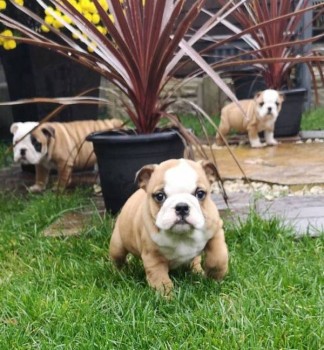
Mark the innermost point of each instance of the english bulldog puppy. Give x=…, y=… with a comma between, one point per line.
x=55, y=145
x=170, y=221
x=261, y=115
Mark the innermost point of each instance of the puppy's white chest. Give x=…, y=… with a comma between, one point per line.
x=181, y=248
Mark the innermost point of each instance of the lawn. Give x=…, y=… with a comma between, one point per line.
x=64, y=293
x=313, y=119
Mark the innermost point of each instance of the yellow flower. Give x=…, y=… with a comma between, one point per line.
x=85, y=5
x=7, y=33
x=95, y=18
x=67, y=19
x=49, y=11
x=88, y=16
x=92, y=47
x=3, y=5
x=44, y=28
x=9, y=44
x=49, y=19
x=112, y=18
x=102, y=30
x=103, y=4
x=77, y=35
x=92, y=8
x=19, y=2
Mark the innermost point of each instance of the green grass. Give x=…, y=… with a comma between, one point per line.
x=63, y=293
x=313, y=119
x=5, y=155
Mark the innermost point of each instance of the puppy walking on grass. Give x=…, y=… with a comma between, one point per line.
x=261, y=115
x=170, y=221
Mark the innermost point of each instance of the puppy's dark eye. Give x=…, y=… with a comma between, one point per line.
x=159, y=197
x=37, y=145
x=261, y=104
x=277, y=104
x=200, y=194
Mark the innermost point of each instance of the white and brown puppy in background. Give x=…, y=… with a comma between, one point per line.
x=54, y=145
x=261, y=115
x=170, y=221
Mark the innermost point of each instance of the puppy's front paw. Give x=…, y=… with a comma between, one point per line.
x=36, y=188
x=219, y=141
x=165, y=289
x=272, y=142
x=217, y=273
x=257, y=144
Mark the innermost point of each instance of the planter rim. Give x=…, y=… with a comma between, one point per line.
x=129, y=136
x=300, y=90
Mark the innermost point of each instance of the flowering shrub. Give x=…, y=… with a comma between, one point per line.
x=52, y=16
x=9, y=43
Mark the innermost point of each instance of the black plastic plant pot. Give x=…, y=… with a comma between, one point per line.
x=120, y=156
x=289, y=118
x=36, y=72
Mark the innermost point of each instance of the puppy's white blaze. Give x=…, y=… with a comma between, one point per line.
x=180, y=179
x=167, y=217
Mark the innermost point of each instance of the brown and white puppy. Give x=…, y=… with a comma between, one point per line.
x=61, y=146
x=261, y=115
x=170, y=221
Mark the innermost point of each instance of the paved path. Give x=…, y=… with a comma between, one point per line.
x=287, y=164
x=304, y=213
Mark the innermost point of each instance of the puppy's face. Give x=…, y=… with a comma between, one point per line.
x=30, y=149
x=268, y=103
x=178, y=193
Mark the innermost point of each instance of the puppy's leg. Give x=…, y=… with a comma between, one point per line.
x=270, y=140
x=42, y=175
x=216, y=263
x=117, y=251
x=157, y=273
x=254, y=137
x=223, y=130
x=196, y=265
x=64, y=175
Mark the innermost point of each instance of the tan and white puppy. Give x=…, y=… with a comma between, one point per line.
x=170, y=221
x=261, y=115
x=60, y=146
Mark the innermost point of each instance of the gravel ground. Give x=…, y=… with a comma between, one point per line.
x=268, y=191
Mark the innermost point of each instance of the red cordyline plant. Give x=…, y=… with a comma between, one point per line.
x=272, y=30
x=145, y=42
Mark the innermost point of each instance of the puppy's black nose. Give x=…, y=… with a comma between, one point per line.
x=269, y=109
x=23, y=152
x=182, y=209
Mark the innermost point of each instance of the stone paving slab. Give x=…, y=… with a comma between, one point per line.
x=286, y=164
x=304, y=213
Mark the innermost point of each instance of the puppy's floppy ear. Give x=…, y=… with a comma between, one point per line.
x=48, y=131
x=281, y=97
x=210, y=170
x=14, y=127
x=143, y=175
x=257, y=94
